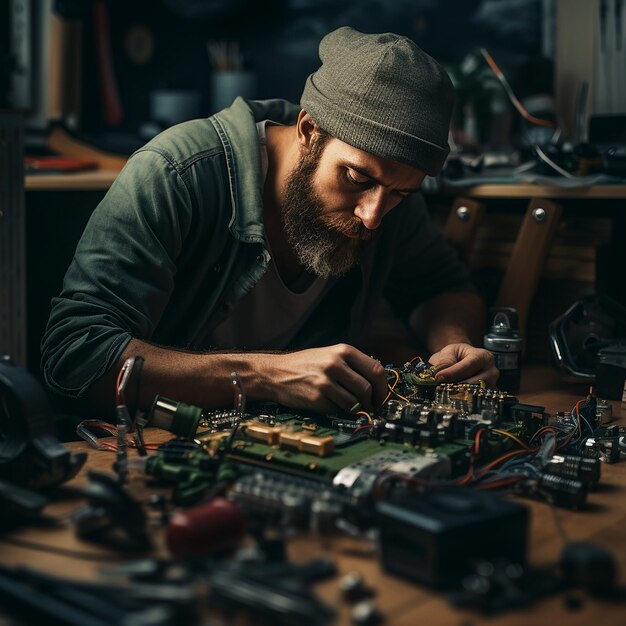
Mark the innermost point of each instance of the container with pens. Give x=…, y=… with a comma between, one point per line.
x=229, y=78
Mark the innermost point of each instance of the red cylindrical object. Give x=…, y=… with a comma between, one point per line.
x=211, y=528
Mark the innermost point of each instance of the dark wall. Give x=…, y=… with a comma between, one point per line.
x=163, y=43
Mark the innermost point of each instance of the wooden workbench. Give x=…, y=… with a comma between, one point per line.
x=401, y=602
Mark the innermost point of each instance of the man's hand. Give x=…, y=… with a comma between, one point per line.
x=327, y=379
x=463, y=362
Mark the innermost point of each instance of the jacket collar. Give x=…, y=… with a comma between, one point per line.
x=236, y=127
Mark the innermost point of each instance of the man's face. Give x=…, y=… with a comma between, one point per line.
x=335, y=199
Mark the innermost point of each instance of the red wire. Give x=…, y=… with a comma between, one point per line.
x=356, y=430
x=497, y=484
x=475, y=450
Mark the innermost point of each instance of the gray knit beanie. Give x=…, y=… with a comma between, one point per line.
x=382, y=94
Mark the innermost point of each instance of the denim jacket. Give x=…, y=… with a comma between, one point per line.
x=179, y=239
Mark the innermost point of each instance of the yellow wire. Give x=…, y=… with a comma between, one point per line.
x=399, y=396
x=391, y=388
x=369, y=417
x=511, y=436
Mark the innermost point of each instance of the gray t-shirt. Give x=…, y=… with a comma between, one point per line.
x=272, y=313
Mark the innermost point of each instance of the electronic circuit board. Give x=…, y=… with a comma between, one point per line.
x=424, y=433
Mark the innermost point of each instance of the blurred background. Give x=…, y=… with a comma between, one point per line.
x=115, y=70
x=541, y=98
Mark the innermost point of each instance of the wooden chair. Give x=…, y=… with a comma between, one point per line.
x=530, y=251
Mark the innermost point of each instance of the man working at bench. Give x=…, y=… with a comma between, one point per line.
x=261, y=239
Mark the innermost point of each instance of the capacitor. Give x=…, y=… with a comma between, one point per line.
x=561, y=491
x=177, y=417
x=215, y=527
x=583, y=468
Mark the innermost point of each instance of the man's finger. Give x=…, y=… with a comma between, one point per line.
x=468, y=366
x=373, y=372
x=340, y=397
x=490, y=376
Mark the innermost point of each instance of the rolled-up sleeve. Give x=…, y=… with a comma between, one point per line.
x=122, y=274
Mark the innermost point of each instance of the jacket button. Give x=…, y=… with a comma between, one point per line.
x=260, y=258
x=216, y=268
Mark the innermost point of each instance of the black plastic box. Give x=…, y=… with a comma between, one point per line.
x=435, y=537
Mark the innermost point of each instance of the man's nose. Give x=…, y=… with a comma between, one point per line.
x=371, y=208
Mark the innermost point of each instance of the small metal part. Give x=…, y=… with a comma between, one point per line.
x=121, y=459
x=291, y=439
x=586, y=469
x=325, y=512
x=264, y=433
x=604, y=411
x=177, y=417
x=539, y=215
x=353, y=587
x=320, y=446
x=463, y=213
x=239, y=395
x=366, y=614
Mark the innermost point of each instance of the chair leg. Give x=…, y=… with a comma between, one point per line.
x=462, y=225
x=528, y=257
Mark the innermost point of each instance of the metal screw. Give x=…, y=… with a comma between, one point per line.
x=463, y=213
x=540, y=215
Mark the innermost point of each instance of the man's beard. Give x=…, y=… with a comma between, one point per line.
x=327, y=243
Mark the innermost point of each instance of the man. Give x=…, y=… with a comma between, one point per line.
x=265, y=228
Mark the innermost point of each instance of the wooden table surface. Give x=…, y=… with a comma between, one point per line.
x=401, y=602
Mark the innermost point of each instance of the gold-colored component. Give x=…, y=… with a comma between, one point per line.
x=312, y=466
x=207, y=437
x=263, y=432
x=268, y=457
x=291, y=439
x=309, y=427
x=320, y=446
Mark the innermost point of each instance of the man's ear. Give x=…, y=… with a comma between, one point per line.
x=305, y=129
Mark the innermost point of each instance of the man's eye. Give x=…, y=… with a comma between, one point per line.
x=356, y=179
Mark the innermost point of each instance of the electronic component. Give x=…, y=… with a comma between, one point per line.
x=559, y=491
x=505, y=343
x=261, y=432
x=611, y=373
x=186, y=465
x=215, y=527
x=433, y=537
x=604, y=411
x=581, y=468
x=279, y=498
x=177, y=417
x=530, y=416
x=360, y=477
x=353, y=587
x=499, y=585
x=365, y=613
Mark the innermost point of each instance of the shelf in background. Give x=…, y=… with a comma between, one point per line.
x=528, y=190
x=80, y=181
